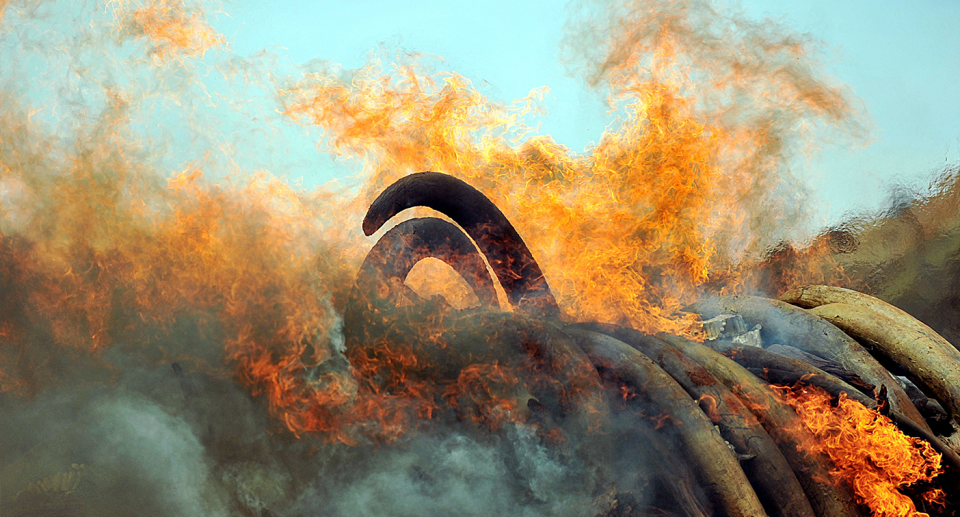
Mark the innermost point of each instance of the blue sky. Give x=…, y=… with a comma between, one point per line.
x=902, y=59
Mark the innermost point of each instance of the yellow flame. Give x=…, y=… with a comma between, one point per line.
x=174, y=29
x=868, y=450
x=690, y=175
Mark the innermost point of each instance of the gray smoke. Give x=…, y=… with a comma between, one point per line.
x=129, y=455
x=458, y=475
x=164, y=441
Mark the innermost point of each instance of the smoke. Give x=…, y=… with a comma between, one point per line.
x=160, y=443
x=455, y=474
x=134, y=457
x=171, y=312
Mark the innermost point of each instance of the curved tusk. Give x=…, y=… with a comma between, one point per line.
x=935, y=368
x=712, y=458
x=783, y=425
x=406, y=244
x=768, y=471
x=779, y=369
x=498, y=240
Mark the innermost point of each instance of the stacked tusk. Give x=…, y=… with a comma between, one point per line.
x=767, y=469
x=783, y=425
x=709, y=453
x=748, y=447
x=785, y=324
x=915, y=347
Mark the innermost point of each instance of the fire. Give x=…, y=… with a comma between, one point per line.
x=868, y=450
x=175, y=29
x=670, y=197
x=104, y=252
x=489, y=393
x=434, y=277
x=246, y=276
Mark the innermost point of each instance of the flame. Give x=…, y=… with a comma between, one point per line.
x=103, y=252
x=434, y=277
x=785, y=266
x=490, y=393
x=248, y=276
x=175, y=29
x=935, y=497
x=676, y=190
x=869, y=452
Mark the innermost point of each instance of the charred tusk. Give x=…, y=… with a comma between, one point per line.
x=555, y=371
x=372, y=309
x=529, y=344
x=709, y=453
x=778, y=369
x=508, y=255
x=950, y=456
x=783, y=323
x=787, y=371
x=539, y=345
x=767, y=469
x=828, y=366
x=783, y=425
x=406, y=244
x=936, y=368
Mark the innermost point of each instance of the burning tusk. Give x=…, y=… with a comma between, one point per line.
x=813, y=296
x=406, y=244
x=778, y=369
x=783, y=425
x=508, y=255
x=936, y=368
x=372, y=309
x=438, y=350
x=768, y=471
x=710, y=454
x=783, y=323
x=563, y=379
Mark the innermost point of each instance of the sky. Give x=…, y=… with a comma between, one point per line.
x=900, y=58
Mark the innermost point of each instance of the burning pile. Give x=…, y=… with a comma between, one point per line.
x=797, y=451
x=192, y=346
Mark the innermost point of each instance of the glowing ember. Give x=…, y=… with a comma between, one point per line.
x=868, y=450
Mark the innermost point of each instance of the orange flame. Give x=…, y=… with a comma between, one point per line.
x=487, y=393
x=100, y=253
x=868, y=450
x=432, y=276
x=676, y=190
x=175, y=30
